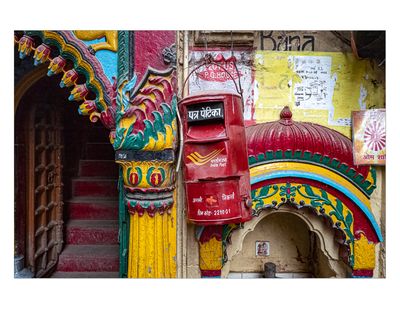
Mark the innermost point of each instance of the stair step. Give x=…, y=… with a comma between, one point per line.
x=99, y=151
x=98, y=168
x=94, y=187
x=86, y=274
x=89, y=258
x=95, y=232
x=92, y=208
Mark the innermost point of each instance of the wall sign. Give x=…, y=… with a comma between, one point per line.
x=139, y=155
x=262, y=248
x=369, y=137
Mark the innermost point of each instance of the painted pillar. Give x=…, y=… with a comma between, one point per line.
x=210, y=250
x=145, y=141
x=364, y=257
x=213, y=241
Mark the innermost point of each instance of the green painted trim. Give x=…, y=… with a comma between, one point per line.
x=123, y=63
x=333, y=164
x=317, y=202
x=34, y=33
x=123, y=75
x=123, y=236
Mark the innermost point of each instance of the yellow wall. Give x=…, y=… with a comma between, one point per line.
x=356, y=84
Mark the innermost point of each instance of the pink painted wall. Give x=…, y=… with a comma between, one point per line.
x=148, y=50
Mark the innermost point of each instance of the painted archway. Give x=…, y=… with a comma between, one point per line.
x=305, y=165
x=324, y=241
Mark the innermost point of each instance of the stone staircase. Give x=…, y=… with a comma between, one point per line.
x=91, y=232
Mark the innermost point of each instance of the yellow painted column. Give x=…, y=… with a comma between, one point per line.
x=152, y=245
x=211, y=255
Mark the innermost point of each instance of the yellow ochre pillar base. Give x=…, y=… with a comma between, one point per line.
x=152, y=245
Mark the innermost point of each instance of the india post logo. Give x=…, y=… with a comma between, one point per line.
x=198, y=159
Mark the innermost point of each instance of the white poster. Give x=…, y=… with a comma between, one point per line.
x=315, y=91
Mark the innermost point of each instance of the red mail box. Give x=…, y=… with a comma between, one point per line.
x=217, y=178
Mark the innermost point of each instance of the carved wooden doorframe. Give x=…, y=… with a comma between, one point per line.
x=44, y=188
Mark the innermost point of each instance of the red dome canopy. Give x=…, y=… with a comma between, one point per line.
x=286, y=134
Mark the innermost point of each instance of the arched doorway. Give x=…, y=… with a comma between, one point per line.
x=299, y=244
x=56, y=150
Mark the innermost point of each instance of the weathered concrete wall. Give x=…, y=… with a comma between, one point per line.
x=300, y=243
x=289, y=243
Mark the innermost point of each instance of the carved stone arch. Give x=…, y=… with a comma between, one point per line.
x=325, y=236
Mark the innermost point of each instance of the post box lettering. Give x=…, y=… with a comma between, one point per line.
x=205, y=111
x=217, y=179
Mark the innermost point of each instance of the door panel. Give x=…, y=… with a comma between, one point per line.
x=45, y=198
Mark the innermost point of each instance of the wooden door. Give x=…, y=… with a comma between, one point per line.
x=44, y=188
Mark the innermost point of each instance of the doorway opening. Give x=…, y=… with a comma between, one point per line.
x=66, y=205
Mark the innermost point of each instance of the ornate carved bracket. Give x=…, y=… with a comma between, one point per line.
x=65, y=54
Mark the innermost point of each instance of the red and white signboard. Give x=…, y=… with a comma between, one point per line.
x=369, y=137
x=216, y=77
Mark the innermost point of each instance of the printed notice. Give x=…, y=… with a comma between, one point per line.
x=315, y=90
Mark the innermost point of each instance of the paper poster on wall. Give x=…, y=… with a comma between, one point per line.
x=213, y=77
x=369, y=137
x=315, y=90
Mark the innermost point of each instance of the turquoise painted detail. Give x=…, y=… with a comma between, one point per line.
x=344, y=190
x=139, y=173
x=147, y=204
x=123, y=236
x=320, y=201
x=124, y=222
x=264, y=193
x=148, y=176
x=162, y=174
x=288, y=191
x=127, y=88
x=107, y=58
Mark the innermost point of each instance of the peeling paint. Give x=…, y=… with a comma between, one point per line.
x=362, y=97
